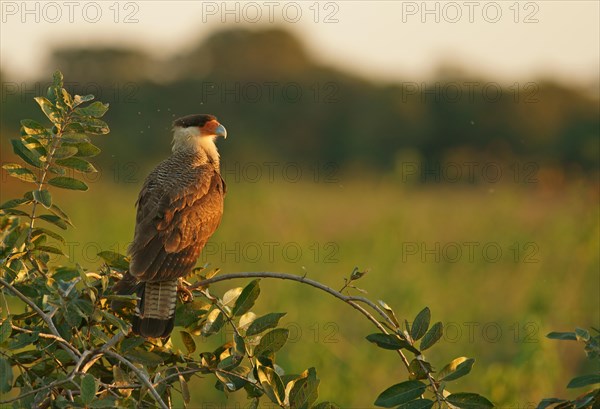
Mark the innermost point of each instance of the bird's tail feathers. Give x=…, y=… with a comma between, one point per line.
x=155, y=317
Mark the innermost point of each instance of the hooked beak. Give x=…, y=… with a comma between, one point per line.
x=221, y=131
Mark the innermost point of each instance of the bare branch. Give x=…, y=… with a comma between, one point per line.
x=351, y=300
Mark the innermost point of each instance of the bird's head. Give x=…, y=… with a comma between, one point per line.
x=197, y=131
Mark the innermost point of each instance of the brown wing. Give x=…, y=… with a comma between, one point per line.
x=174, y=222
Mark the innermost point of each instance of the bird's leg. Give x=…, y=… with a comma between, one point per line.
x=182, y=289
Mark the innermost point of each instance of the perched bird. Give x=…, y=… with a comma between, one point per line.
x=178, y=209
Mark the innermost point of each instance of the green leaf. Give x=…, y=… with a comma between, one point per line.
x=94, y=126
x=20, y=172
x=6, y=376
x=565, y=336
x=13, y=203
x=80, y=99
x=31, y=127
x=584, y=380
x=55, y=220
x=21, y=340
x=189, y=314
x=357, y=274
x=89, y=387
x=5, y=330
x=64, y=100
x=246, y=299
x=131, y=343
x=57, y=170
x=115, y=260
x=584, y=401
x=75, y=137
x=15, y=212
x=96, y=109
x=239, y=345
x=432, y=336
x=420, y=324
x=246, y=319
x=271, y=383
x=68, y=183
x=418, y=369
x=304, y=392
x=547, y=402
x=29, y=156
x=229, y=381
x=231, y=295
x=417, y=404
x=400, y=393
x=49, y=109
x=78, y=164
x=389, y=341
x=214, y=323
x=40, y=230
x=458, y=368
x=230, y=362
x=50, y=249
x=389, y=312
x=60, y=213
x=64, y=152
x=86, y=150
x=57, y=79
x=52, y=93
x=72, y=317
x=185, y=390
x=265, y=322
x=188, y=341
x=65, y=274
x=43, y=197
x=272, y=342
x=469, y=401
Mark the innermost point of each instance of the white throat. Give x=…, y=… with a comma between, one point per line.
x=191, y=139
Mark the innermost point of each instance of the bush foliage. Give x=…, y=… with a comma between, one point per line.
x=64, y=347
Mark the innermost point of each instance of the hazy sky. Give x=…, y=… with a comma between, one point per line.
x=384, y=40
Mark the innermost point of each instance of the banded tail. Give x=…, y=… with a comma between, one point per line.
x=155, y=312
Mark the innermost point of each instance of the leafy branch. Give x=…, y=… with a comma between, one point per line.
x=396, y=339
x=591, y=346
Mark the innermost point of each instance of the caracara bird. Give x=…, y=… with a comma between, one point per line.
x=178, y=209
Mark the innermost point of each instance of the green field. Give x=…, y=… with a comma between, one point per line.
x=431, y=245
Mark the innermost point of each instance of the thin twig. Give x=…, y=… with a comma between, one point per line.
x=39, y=334
x=141, y=376
x=301, y=279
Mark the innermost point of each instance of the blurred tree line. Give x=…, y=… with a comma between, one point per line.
x=279, y=104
